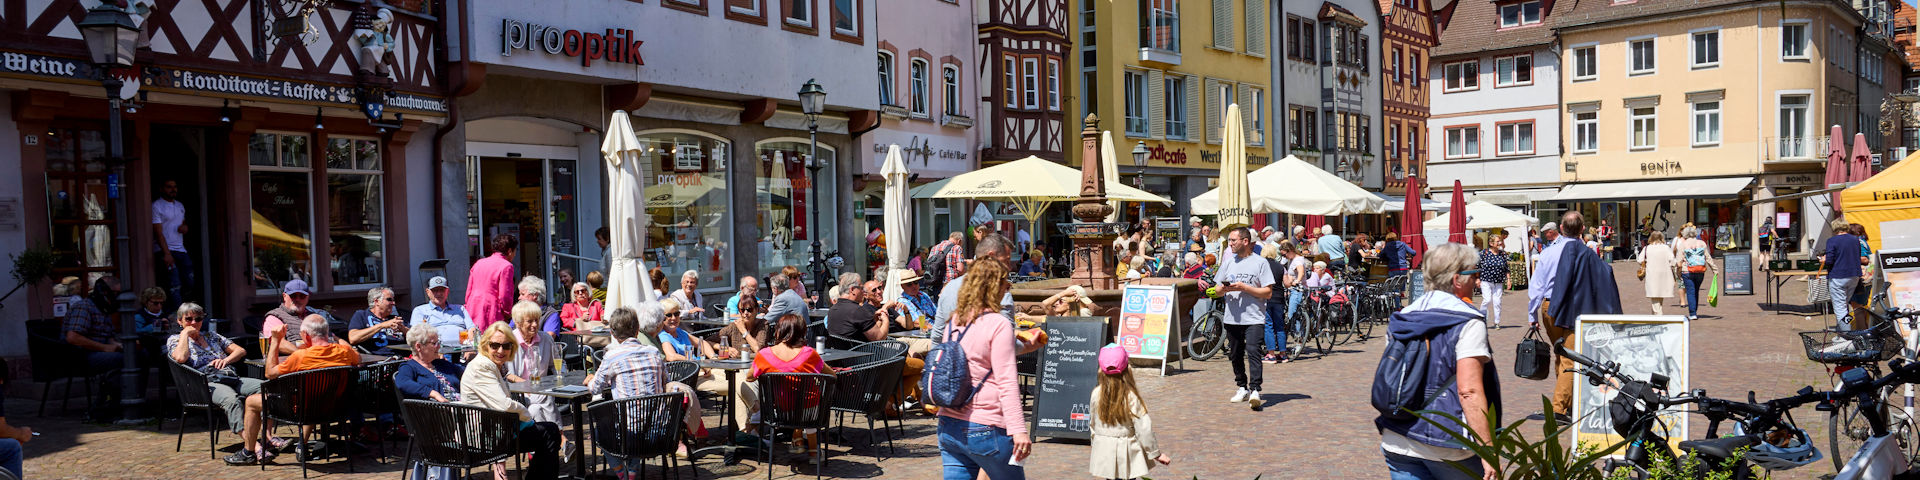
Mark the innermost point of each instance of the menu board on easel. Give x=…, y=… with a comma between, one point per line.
x=1068, y=366
x=1739, y=279
x=1146, y=313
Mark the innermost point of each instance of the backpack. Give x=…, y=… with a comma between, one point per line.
x=1399, y=383
x=937, y=264
x=945, y=380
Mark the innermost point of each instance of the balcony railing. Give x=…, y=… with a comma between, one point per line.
x=1796, y=149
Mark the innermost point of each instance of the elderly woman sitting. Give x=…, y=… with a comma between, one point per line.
x=428, y=376
x=633, y=368
x=485, y=384
x=212, y=354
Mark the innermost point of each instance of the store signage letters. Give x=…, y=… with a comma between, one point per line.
x=1214, y=157
x=616, y=45
x=1174, y=156
x=1793, y=179
x=45, y=66
x=1669, y=167
x=1890, y=195
x=169, y=78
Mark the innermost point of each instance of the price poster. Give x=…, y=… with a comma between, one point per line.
x=1146, y=316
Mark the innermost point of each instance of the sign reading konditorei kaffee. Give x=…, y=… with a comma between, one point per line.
x=161, y=78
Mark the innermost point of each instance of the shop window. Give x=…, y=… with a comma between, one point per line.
x=280, y=177
x=78, y=211
x=355, y=212
x=950, y=79
x=886, y=78
x=687, y=204
x=917, y=87
x=785, y=204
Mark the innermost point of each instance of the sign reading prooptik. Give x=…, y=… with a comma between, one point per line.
x=615, y=45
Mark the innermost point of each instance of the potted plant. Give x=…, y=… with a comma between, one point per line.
x=29, y=268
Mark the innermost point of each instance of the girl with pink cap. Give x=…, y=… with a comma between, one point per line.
x=1123, y=443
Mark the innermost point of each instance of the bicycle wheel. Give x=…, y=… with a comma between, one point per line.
x=1299, y=333
x=1903, y=428
x=1322, y=329
x=1363, y=316
x=1343, y=325
x=1847, y=430
x=1203, y=340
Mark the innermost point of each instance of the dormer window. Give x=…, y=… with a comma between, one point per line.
x=1520, y=14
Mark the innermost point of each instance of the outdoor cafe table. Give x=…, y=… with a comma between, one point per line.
x=733, y=367
x=365, y=359
x=1779, y=278
x=578, y=399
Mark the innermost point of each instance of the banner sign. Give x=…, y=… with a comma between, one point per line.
x=36, y=66
x=1146, y=312
x=1641, y=345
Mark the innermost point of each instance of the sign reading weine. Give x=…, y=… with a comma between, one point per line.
x=616, y=45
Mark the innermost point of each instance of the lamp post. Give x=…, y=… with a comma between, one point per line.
x=812, y=100
x=1140, y=173
x=111, y=35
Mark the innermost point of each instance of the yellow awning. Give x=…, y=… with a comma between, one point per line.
x=1893, y=194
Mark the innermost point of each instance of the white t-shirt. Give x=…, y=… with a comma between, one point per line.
x=169, y=214
x=689, y=299
x=1298, y=268
x=1472, y=342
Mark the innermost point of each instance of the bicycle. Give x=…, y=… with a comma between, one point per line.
x=1207, y=334
x=1847, y=425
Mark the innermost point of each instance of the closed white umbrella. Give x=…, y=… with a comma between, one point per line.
x=627, y=282
x=1235, y=208
x=896, y=218
x=1291, y=185
x=1112, y=166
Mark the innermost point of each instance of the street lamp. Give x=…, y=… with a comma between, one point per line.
x=1140, y=173
x=111, y=37
x=812, y=100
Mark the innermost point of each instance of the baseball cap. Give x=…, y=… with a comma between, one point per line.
x=436, y=282
x=295, y=286
x=1113, y=359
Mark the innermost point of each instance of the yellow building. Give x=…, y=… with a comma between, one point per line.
x=1687, y=112
x=1161, y=73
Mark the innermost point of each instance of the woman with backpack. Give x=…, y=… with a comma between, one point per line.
x=1695, y=261
x=1441, y=330
x=985, y=428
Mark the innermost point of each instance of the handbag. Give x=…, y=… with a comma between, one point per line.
x=1642, y=274
x=1532, y=357
x=1817, y=291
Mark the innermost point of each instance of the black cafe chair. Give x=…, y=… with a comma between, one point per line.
x=309, y=398
x=196, y=393
x=461, y=436
x=636, y=429
x=866, y=390
x=682, y=371
x=54, y=359
x=795, y=401
x=837, y=342
x=374, y=394
x=881, y=350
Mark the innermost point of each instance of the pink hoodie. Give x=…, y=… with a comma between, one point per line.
x=490, y=290
x=997, y=402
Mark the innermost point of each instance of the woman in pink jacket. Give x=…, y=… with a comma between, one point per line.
x=990, y=433
x=490, y=283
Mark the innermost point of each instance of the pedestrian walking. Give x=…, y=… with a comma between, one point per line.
x=1570, y=280
x=1493, y=277
x=1276, y=334
x=1397, y=255
x=490, y=283
x=1123, y=442
x=1245, y=282
x=1656, y=261
x=1842, y=261
x=1697, y=261
x=1421, y=447
x=990, y=432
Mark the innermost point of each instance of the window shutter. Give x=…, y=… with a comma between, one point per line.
x=1194, y=125
x=1214, y=111
x=1223, y=24
x=1244, y=93
x=1156, y=104
x=1257, y=27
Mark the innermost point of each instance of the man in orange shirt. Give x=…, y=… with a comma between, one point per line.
x=322, y=350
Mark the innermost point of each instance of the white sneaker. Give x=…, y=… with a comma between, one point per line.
x=1239, y=396
x=1254, y=401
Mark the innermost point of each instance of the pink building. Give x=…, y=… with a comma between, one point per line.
x=928, y=105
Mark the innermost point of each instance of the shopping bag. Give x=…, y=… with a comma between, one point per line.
x=1713, y=291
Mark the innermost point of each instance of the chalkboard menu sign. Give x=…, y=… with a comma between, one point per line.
x=1067, y=368
x=1739, y=274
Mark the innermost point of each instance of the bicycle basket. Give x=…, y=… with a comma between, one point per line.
x=1854, y=347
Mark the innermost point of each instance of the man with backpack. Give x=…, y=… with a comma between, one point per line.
x=945, y=262
x=1437, y=359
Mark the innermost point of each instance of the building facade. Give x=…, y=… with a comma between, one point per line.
x=1495, y=91
x=1329, y=84
x=712, y=90
x=929, y=98
x=1701, y=112
x=294, y=149
x=1408, y=35
x=1023, y=57
x=1161, y=75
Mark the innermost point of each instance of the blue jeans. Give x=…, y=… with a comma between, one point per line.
x=10, y=455
x=1402, y=467
x=1693, y=281
x=966, y=448
x=1276, y=326
x=179, y=280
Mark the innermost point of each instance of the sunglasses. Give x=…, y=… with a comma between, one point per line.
x=187, y=319
x=673, y=315
x=500, y=345
x=1470, y=271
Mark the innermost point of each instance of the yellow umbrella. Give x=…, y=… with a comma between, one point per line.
x=265, y=232
x=1031, y=184
x=1235, y=208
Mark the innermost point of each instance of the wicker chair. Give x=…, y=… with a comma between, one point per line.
x=461, y=436
x=881, y=350
x=309, y=397
x=195, y=394
x=682, y=371
x=867, y=389
x=798, y=401
x=638, y=428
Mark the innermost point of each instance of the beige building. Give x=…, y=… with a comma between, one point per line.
x=1689, y=112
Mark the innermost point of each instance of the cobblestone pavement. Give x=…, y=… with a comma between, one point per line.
x=1317, y=423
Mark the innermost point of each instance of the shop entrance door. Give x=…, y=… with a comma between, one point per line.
x=178, y=154
x=534, y=200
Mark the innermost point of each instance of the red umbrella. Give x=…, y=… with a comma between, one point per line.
x=1836, y=163
x=1313, y=223
x=1862, y=165
x=1457, y=216
x=1410, y=219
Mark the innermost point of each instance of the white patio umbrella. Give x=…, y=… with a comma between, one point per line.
x=1030, y=184
x=896, y=218
x=1291, y=185
x=627, y=284
x=1112, y=167
x=1235, y=207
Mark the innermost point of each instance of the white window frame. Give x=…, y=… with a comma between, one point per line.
x=1259, y=136
x=1462, y=141
x=1634, y=119
x=1011, y=78
x=1517, y=71
x=1030, y=83
x=1653, y=54
x=1806, y=134
x=886, y=78
x=1592, y=53
x=1693, y=47
x=1134, y=103
x=1713, y=118
x=1458, y=71
x=786, y=14
x=917, y=101
x=753, y=10
x=1805, y=43
x=1176, y=106
x=1586, y=132
x=1053, y=84
x=1520, y=19
x=1500, y=138
x=950, y=88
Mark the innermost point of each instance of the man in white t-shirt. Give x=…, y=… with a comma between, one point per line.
x=1422, y=449
x=172, y=264
x=691, y=302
